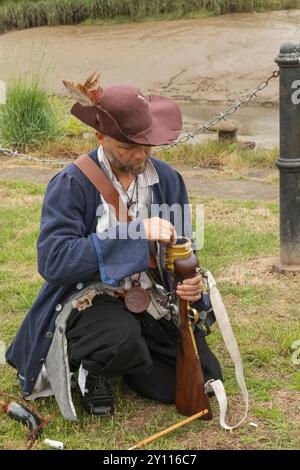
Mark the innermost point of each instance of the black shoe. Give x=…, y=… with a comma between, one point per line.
x=98, y=399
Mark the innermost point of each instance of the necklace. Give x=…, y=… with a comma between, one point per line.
x=134, y=192
x=132, y=206
x=136, y=297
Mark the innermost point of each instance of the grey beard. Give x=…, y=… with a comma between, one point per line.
x=130, y=169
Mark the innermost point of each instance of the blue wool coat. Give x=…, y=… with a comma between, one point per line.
x=69, y=252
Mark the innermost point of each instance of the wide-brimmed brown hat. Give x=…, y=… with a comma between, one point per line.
x=125, y=114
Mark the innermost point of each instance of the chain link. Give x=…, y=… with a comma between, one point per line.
x=221, y=116
x=21, y=156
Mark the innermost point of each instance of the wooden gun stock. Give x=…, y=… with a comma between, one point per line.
x=190, y=395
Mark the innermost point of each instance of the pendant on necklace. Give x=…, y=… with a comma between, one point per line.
x=132, y=209
x=132, y=206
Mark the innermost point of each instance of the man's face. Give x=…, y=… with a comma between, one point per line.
x=128, y=158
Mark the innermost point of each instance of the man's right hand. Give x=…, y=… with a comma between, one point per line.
x=158, y=229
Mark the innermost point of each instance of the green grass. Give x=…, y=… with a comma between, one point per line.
x=215, y=154
x=264, y=309
x=29, y=116
x=207, y=155
x=26, y=14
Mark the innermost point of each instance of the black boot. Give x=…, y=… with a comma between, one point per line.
x=98, y=399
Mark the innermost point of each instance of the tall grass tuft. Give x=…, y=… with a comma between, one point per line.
x=20, y=14
x=29, y=116
x=215, y=154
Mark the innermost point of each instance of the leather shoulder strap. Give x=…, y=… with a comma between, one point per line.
x=104, y=185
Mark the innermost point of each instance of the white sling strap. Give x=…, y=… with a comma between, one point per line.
x=232, y=347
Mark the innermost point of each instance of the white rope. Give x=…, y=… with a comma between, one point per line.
x=233, y=349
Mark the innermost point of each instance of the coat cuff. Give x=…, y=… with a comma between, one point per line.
x=122, y=251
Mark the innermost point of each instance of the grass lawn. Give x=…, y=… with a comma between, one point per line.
x=241, y=241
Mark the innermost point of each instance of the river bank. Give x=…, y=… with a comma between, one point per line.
x=205, y=64
x=204, y=60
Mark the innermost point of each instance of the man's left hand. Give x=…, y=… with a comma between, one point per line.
x=190, y=289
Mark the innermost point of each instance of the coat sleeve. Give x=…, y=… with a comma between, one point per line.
x=67, y=253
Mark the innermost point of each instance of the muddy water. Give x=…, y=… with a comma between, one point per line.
x=256, y=123
x=209, y=60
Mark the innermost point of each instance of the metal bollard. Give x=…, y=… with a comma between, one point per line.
x=289, y=160
x=227, y=131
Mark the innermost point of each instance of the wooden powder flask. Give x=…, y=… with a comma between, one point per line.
x=190, y=396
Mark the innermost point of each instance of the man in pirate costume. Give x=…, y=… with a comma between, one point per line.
x=97, y=314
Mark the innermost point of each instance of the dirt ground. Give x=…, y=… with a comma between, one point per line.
x=213, y=59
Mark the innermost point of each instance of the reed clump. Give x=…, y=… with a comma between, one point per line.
x=30, y=116
x=20, y=14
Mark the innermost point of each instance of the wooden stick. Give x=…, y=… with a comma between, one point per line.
x=171, y=428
